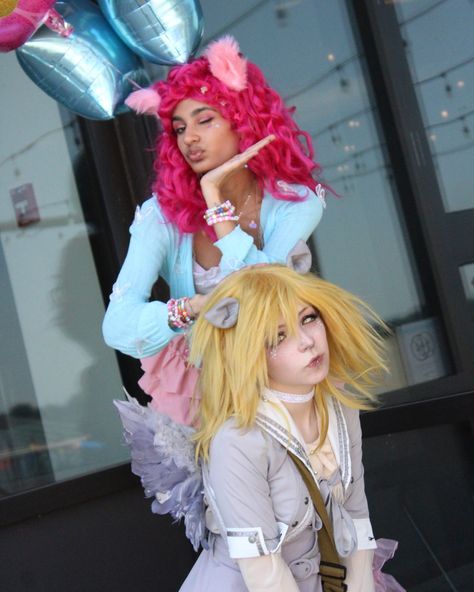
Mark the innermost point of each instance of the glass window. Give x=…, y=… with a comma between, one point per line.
x=57, y=378
x=439, y=46
x=309, y=52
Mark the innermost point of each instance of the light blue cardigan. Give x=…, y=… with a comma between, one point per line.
x=139, y=328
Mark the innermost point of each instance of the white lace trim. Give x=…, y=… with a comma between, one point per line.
x=119, y=291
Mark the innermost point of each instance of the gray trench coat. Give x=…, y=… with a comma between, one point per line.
x=258, y=503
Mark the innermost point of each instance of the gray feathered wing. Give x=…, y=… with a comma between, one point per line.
x=163, y=457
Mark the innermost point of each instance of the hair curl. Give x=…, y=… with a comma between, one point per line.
x=254, y=113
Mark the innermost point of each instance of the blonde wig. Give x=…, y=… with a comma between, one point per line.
x=234, y=364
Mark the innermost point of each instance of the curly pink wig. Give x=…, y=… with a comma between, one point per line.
x=254, y=112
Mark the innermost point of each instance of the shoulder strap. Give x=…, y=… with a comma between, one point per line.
x=332, y=572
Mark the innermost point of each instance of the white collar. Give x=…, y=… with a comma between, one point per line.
x=291, y=397
x=275, y=419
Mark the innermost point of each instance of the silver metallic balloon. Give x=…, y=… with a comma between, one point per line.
x=160, y=31
x=90, y=72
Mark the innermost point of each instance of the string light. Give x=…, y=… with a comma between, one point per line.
x=455, y=150
x=335, y=136
x=354, y=156
x=444, y=72
x=234, y=23
x=447, y=86
x=281, y=10
x=361, y=173
x=342, y=166
x=352, y=123
x=336, y=69
x=450, y=122
x=32, y=144
x=344, y=82
x=421, y=13
x=465, y=128
x=338, y=122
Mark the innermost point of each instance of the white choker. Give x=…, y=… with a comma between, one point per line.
x=291, y=397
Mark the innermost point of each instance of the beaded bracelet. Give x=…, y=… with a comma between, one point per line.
x=220, y=213
x=224, y=218
x=178, y=316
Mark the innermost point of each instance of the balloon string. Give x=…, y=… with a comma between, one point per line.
x=126, y=76
x=133, y=83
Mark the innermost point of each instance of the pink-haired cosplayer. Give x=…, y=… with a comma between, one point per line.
x=235, y=186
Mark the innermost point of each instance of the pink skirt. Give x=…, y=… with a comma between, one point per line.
x=384, y=582
x=171, y=382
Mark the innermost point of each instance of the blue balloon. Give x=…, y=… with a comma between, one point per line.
x=91, y=71
x=160, y=31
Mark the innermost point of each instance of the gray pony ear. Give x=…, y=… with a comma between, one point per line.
x=224, y=314
x=299, y=258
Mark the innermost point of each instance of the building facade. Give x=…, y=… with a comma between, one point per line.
x=386, y=90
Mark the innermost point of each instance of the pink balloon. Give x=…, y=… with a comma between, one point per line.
x=28, y=15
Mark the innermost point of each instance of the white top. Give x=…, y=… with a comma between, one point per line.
x=205, y=280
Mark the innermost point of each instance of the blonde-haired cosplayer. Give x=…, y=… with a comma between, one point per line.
x=287, y=361
x=234, y=373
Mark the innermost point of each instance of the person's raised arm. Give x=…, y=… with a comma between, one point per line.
x=213, y=181
x=290, y=222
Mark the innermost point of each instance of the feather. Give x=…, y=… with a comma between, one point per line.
x=226, y=63
x=163, y=457
x=144, y=101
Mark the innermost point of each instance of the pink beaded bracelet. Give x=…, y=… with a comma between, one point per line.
x=220, y=213
x=178, y=316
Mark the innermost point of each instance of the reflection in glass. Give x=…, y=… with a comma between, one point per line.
x=440, y=50
x=57, y=378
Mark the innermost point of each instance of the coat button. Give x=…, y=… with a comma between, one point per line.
x=306, y=500
x=252, y=539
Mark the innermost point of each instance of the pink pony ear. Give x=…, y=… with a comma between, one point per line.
x=226, y=63
x=144, y=101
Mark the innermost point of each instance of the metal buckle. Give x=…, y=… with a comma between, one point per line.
x=332, y=577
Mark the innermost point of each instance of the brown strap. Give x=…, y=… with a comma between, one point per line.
x=332, y=572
